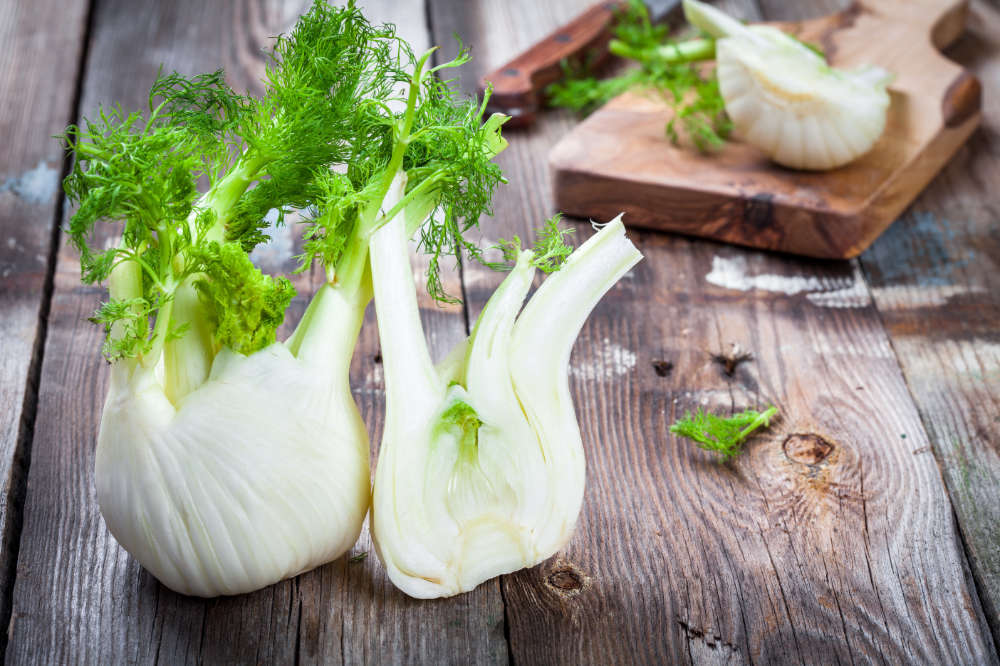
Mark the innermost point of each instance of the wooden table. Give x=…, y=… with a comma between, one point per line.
x=863, y=527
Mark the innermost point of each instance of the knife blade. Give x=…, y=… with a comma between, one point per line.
x=518, y=84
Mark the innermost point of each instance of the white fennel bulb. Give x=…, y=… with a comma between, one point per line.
x=256, y=475
x=785, y=99
x=481, y=467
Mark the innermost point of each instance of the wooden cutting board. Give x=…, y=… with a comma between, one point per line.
x=619, y=158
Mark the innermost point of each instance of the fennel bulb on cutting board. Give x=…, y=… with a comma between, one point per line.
x=785, y=99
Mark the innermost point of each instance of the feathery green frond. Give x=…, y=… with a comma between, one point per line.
x=548, y=254
x=666, y=69
x=723, y=435
x=246, y=306
x=346, y=104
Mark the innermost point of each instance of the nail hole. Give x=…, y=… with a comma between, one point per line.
x=377, y=358
x=731, y=360
x=662, y=368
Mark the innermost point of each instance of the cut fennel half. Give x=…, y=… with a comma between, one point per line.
x=481, y=467
x=785, y=99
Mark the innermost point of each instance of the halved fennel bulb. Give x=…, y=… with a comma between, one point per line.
x=481, y=468
x=785, y=99
x=256, y=475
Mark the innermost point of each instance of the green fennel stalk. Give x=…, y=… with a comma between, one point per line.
x=669, y=70
x=331, y=99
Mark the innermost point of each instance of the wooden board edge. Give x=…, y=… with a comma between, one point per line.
x=775, y=226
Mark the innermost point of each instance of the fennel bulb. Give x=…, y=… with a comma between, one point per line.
x=481, y=468
x=227, y=460
x=256, y=475
x=785, y=99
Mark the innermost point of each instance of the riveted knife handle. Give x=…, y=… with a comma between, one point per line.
x=518, y=85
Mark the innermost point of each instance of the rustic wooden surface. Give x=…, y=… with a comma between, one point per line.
x=832, y=539
x=935, y=279
x=621, y=159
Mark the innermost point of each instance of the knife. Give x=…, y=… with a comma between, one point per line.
x=518, y=85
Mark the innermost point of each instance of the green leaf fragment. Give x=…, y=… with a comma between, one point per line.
x=549, y=252
x=550, y=249
x=665, y=69
x=132, y=316
x=723, y=435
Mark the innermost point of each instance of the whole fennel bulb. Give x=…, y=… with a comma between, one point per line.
x=785, y=99
x=258, y=474
x=481, y=468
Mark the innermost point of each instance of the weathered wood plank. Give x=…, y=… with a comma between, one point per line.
x=38, y=75
x=935, y=279
x=79, y=596
x=841, y=548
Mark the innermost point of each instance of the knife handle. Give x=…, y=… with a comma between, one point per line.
x=517, y=85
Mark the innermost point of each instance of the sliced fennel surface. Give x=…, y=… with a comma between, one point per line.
x=228, y=460
x=785, y=99
x=481, y=467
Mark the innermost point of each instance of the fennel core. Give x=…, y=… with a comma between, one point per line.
x=492, y=428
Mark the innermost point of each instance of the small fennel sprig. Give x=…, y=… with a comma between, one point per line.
x=720, y=434
x=667, y=69
x=550, y=249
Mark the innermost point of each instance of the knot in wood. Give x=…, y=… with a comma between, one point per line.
x=566, y=579
x=807, y=449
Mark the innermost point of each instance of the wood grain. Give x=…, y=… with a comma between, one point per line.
x=620, y=158
x=934, y=279
x=38, y=71
x=828, y=541
x=79, y=597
